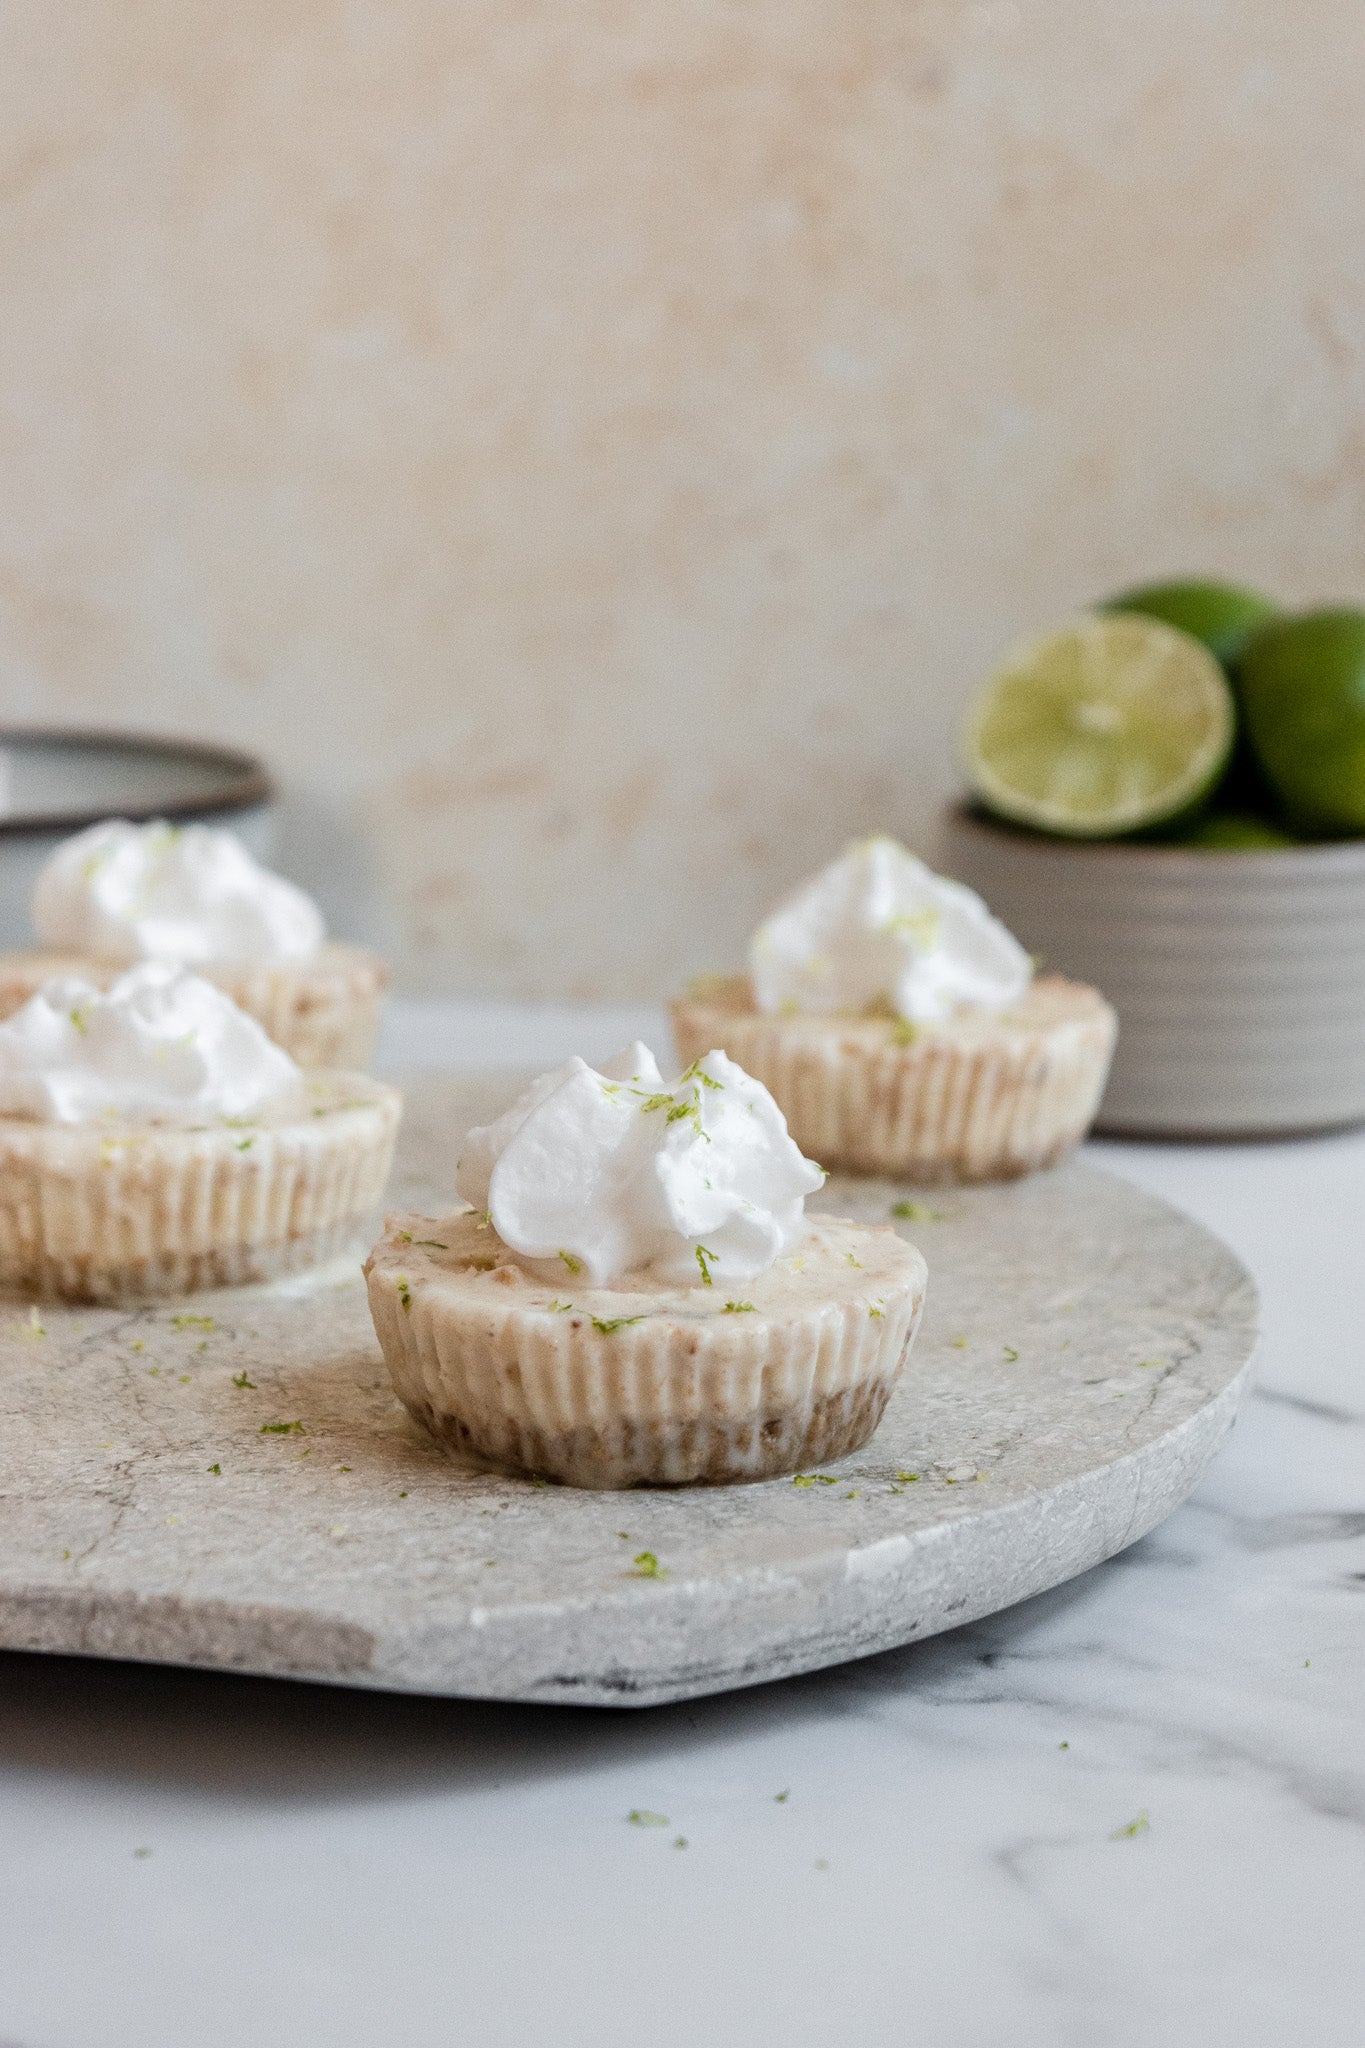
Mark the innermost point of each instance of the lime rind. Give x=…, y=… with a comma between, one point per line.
x=1301, y=683
x=1222, y=831
x=1223, y=615
x=1115, y=723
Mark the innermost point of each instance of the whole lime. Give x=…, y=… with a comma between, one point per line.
x=1223, y=615
x=1302, y=686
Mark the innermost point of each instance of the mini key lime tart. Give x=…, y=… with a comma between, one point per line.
x=154, y=1140
x=902, y=1030
x=119, y=893
x=636, y=1295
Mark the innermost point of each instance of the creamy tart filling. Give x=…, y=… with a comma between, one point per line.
x=901, y=1029
x=154, y=1140
x=638, y=1384
x=973, y=1099
x=636, y=1295
x=194, y=896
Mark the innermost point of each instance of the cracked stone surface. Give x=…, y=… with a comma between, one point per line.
x=229, y=1482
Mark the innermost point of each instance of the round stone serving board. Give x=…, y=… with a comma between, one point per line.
x=228, y=1481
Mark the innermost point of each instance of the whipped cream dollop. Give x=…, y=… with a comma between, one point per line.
x=878, y=930
x=160, y=1046
x=600, y=1173
x=163, y=892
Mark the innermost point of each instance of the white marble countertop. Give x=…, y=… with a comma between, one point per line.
x=1128, y=1813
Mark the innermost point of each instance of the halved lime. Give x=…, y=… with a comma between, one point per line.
x=1223, y=615
x=1111, y=725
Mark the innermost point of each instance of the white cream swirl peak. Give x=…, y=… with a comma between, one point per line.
x=878, y=930
x=902, y=1030
x=636, y=1295
x=190, y=893
x=621, y=1170
x=160, y=1045
x=194, y=895
x=154, y=1140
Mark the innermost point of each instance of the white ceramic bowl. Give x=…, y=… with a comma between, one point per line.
x=1239, y=978
x=55, y=783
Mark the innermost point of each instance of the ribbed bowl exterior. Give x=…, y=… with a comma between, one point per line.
x=667, y=1401
x=1238, y=978
x=92, y=1215
x=938, y=1111
x=325, y=1012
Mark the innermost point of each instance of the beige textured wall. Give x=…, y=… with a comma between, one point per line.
x=592, y=445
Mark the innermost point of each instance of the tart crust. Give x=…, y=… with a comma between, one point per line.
x=125, y=1211
x=976, y=1099
x=324, y=1012
x=638, y=1384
